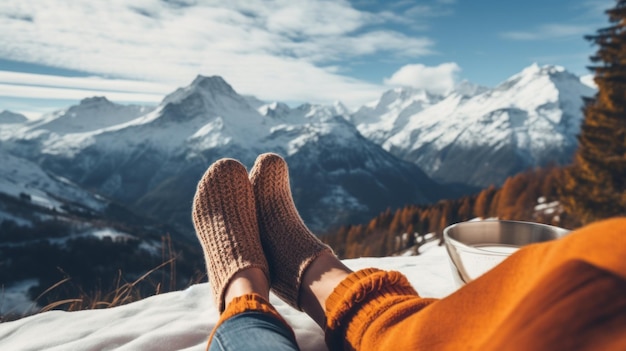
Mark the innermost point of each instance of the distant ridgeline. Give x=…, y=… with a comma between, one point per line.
x=345, y=166
x=529, y=196
x=77, y=256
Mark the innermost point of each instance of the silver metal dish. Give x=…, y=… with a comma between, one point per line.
x=476, y=247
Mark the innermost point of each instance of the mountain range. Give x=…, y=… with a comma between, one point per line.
x=480, y=136
x=153, y=162
x=409, y=147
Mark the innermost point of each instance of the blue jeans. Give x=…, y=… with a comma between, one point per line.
x=253, y=331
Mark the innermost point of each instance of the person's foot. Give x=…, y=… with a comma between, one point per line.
x=224, y=216
x=289, y=246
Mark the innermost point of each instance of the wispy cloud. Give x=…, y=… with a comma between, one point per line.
x=550, y=31
x=428, y=11
x=86, y=83
x=277, y=49
x=25, y=91
x=590, y=15
x=595, y=8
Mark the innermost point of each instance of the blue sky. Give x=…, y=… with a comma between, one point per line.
x=54, y=52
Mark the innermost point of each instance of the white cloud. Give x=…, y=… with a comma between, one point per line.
x=436, y=79
x=588, y=80
x=277, y=50
x=428, y=11
x=87, y=83
x=26, y=91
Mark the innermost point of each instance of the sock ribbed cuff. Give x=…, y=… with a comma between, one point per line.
x=359, y=299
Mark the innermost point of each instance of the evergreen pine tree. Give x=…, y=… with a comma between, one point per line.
x=595, y=184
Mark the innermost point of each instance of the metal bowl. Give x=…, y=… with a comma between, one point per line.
x=476, y=247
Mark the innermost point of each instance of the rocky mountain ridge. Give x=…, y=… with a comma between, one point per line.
x=345, y=166
x=480, y=136
x=153, y=162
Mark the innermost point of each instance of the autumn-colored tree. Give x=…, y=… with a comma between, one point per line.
x=410, y=240
x=392, y=232
x=511, y=190
x=395, y=227
x=595, y=185
x=495, y=202
x=483, y=202
x=434, y=219
x=464, y=212
x=549, y=187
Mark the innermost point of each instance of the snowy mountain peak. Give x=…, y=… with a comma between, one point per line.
x=320, y=113
x=95, y=101
x=212, y=83
x=91, y=114
x=549, y=74
x=468, y=89
x=532, y=118
x=8, y=117
x=208, y=93
x=340, y=108
x=277, y=110
x=405, y=94
x=389, y=114
x=536, y=69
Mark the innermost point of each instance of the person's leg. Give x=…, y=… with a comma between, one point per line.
x=248, y=281
x=288, y=244
x=250, y=322
x=318, y=282
x=566, y=294
x=304, y=271
x=377, y=310
x=224, y=216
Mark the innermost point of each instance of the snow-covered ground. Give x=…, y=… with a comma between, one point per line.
x=182, y=320
x=21, y=177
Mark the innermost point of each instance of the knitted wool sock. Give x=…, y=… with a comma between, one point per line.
x=224, y=216
x=288, y=244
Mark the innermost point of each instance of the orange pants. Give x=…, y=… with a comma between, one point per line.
x=568, y=294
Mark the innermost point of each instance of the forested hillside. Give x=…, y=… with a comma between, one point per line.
x=528, y=196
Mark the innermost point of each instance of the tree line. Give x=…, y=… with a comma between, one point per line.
x=529, y=196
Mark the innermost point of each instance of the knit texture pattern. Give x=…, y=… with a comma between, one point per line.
x=224, y=217
x=565, y=294
x=289, y=245
x=361, y=299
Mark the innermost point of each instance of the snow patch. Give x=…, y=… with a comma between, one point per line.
x=182, y=320
x=111, y=233
x=338, y=197
x=22, y=178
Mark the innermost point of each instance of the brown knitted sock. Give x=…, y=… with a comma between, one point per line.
x=289, y=245
x=224, y=216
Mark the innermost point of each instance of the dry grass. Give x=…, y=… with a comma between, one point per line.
x=122, y=293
